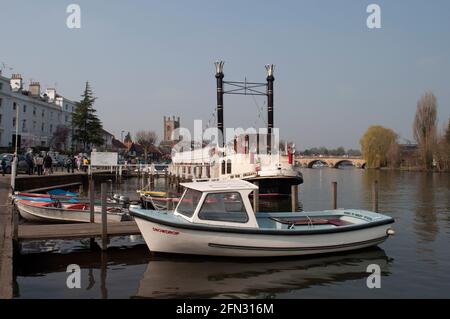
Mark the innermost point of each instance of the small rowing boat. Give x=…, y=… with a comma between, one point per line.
x=58, y=212
x=217, y=219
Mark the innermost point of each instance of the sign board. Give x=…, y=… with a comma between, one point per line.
x=104, y=158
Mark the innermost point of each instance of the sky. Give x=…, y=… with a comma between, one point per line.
x=334, y=77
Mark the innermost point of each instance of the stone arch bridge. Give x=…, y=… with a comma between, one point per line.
x=330, y=161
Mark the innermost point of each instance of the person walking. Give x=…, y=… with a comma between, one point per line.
x=3, y=163
x=48, y=164
x=39, y=164
x=85, y=164
x=30, y=162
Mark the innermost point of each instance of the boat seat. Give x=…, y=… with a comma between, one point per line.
x=313, y=221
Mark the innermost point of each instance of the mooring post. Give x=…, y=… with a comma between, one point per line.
x=256, y=198
x=91, y=200
x=294, y=198
x=375, y=196
x=104, y=218
x=334, y=195
x=169, y=203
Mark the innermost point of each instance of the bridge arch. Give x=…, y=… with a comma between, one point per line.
x=338, y=163
x=311, y=163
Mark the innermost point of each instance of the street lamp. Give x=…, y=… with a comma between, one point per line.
x=121, y=135
x=15, y=160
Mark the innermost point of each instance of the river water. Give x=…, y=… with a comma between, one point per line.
x=415, y=263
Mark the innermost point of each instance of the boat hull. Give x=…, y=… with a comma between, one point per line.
x=57, y=215
x=177, y=240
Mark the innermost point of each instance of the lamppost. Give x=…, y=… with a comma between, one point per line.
x=121, y=135
x=15, y=160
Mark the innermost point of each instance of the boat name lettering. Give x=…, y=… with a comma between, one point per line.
x=165, y=231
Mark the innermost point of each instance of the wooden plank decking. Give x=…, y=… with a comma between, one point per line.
x=72, y=231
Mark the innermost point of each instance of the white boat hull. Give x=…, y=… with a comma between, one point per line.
x=57, y=215
x=169, y=239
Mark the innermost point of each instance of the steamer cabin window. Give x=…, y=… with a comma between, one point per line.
x=189, y=202
x=224, y=207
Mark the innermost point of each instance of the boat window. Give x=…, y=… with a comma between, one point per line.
x=189, y=202
x=224, y=207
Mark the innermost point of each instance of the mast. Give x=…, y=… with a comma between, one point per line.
x=270, y=80
x=219, y=81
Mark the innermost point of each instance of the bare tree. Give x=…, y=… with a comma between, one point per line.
x=146, y=139
x=425, y=127
x=60, y=136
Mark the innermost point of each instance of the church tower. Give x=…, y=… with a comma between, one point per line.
x=170, y=125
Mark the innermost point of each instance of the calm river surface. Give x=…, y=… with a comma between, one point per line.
x=415, y=263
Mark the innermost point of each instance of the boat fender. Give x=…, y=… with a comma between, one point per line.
x=390, y=232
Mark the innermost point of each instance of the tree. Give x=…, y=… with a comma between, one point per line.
x=424, y=127
x=128, y=139
x=447, y=132
x=146, y=139
x=87, y=126
x=375, y=145
x=60, y=136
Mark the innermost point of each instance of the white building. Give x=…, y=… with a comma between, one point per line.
x=40, y=113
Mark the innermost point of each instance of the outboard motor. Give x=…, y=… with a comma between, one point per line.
x=116, y=198
x=124, y=201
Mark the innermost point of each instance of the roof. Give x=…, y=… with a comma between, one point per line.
x=228, y=185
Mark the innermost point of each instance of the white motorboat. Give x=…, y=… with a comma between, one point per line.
x=217, y=219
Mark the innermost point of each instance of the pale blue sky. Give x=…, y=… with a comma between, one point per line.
x=147, y=59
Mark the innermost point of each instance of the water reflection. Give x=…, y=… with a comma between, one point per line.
x=425, y=223
x=182, y=277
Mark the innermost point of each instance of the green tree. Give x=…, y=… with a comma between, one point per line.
x=425, y=128
x=376, y=144
x=87, y=126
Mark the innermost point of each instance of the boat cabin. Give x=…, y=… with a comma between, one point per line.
x=220, y=203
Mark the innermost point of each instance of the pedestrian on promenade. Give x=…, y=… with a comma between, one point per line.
x=30, y=162
x=48, y=164
x=85, y=164
x=3, y=166
x=39, y=164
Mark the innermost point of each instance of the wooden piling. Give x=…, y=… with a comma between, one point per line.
x=294, y=198
x=104, y=218
x=375, y=196
x=256, y=198
x=334, y=195
x=91, y=200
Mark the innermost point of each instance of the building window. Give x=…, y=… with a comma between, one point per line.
x=43, y=113
x=24, y=124
x=14, y=106
x=66, y=118
x=14, y=121
x=0, y=119
x=1, y=86
x=1, y=102
x=42, y=127
x=24, y=109
x=34, y=111
x=34, y=125
x=72, y=109
x=51, y=128
x=67, y=107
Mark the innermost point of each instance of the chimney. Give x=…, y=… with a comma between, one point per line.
x=51, y=95
x=35, y=89
x=16, y=82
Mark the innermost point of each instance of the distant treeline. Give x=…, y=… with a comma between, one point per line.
x=340, y=151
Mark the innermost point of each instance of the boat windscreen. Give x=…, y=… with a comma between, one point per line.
x=189, y=202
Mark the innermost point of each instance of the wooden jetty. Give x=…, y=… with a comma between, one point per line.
x=74, y=231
